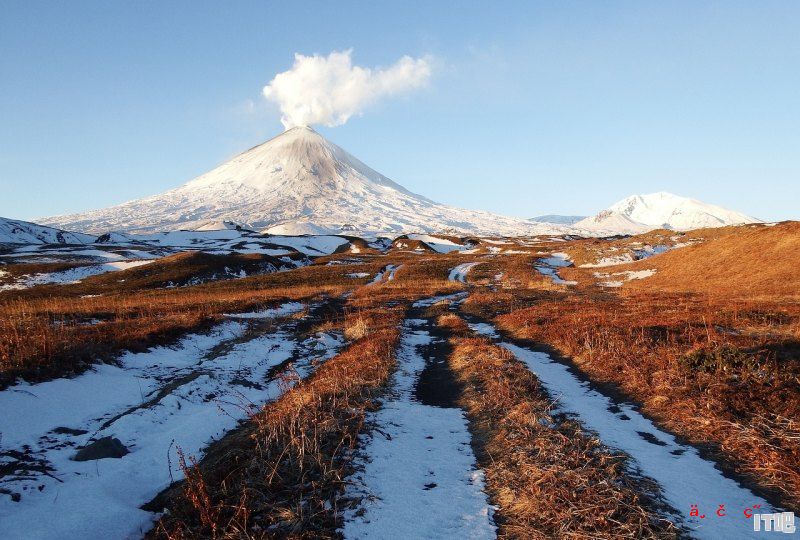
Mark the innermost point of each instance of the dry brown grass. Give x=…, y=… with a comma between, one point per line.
x=548, y=477
x=44, y=331
x=754, y=262
x=355, y=328
x=283, y=476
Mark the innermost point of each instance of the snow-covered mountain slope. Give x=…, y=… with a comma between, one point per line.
x=610, y=222
x=299, y=181
x=23, y=232
x=558, y=219
x=639, y=213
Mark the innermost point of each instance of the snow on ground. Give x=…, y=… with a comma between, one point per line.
x=96, y=253
x=153, y=403
x=439, y=245
x=558, y=260
x=610, y=261
x=310, y=245
x=685, y=478
x=357, y=275
x=626, y=276
x=455, y=297
x=636, y=255
x=386, y=272
x=418, y=478
x=282, y=311
x=392, y=269
x=24, y=232
x=494, y=241
x=73, y=275
x=552, y=273
x=459, y=273
x=548, y=266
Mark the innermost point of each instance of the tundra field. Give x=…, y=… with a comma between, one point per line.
x=417, y=387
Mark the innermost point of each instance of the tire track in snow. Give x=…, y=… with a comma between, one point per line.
x=459, y=273
x=186, y=396
x=386, y=272
x=417, y=474
x=684, y=476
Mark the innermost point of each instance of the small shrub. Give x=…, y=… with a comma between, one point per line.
x=724, y=359
x=356, y=329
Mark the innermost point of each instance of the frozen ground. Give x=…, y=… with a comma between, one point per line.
x=153, y=403
x=418, y=476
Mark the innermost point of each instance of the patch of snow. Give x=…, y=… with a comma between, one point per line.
x=626, y=276
x=289, y=308
x=387, y=272
x=70, y=276
x=494, y=241
x=548, y=266
x=455, y=297
x=392, y=269
x=439, y=245
x=558, y=260
x=552, y=273
x=357, y=275
x=459, y=273
x=610, y=261
x=310, y=245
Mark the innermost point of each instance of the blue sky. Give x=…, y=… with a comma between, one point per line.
x=551, y=107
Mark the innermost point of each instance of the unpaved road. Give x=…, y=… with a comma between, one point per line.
x=685, y=478
x=418, y=476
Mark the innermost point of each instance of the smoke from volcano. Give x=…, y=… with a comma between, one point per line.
x=328, y=90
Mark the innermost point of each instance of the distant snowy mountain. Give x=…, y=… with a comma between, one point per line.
x=23, y=232
x=297, y=181
x=640, y=213
x=557, y=219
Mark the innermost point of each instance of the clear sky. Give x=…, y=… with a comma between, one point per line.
x=551, y=107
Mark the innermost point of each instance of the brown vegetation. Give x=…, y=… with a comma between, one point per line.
x=548, y=477
x=757, y=261
x=714, y=371
x=53, y=331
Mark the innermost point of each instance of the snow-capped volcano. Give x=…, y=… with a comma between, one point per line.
x=296, y=181
x=640, y=213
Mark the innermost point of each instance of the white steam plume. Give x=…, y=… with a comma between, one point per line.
x=328, y=90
